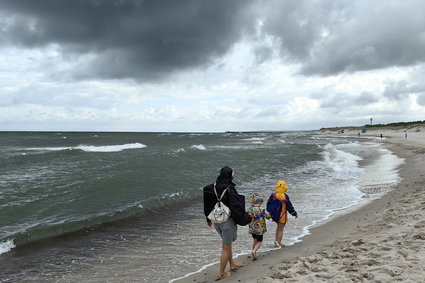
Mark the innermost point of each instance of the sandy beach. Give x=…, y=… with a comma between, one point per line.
x=381, y=241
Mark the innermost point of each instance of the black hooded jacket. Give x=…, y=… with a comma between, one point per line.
x=224, y=180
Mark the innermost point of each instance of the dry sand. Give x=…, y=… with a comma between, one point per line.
x=382, y=241
x=410, y=137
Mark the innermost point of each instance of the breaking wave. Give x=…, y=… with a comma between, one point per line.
x=92, y=148
x=6, y=246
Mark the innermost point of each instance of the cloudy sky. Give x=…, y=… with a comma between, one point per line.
x=202, y=65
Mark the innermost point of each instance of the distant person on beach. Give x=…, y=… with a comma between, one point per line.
x=228, y=229
x=257, y=227
x=278, y=206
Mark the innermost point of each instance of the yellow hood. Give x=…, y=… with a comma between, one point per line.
x=281, y=189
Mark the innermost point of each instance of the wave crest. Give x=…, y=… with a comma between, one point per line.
x=93, y=148
x=6, y=246
x=199, y=147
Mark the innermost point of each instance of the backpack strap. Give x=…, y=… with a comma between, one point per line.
x=222, y=194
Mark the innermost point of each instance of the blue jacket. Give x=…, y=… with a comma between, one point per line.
x=289, y=207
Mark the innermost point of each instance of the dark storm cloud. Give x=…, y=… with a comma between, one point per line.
x=153, y=38
x=140, y=39
x=330, y=37
x=295, y=24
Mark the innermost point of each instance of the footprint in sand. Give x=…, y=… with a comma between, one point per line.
x=393, y=271
x=420, y=236
x=358, y=242
x=404, y=253
x=371, y=262
x=420, y=224
x=325, y=275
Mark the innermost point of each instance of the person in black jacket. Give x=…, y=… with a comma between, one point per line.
x=228, y=229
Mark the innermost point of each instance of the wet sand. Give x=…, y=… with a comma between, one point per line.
x=381, y=241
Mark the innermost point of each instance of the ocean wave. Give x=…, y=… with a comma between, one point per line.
x=93, y=148
x=199, y=147
x=171, y=195
x=335, y=164
x=111, y=148
x=57, y=227
x=176, y=151
x=339, y=160
x=232, y=147
x=255, y=139
x=6, y=246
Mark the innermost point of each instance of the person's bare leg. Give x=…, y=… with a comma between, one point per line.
x=226, y=253
x=254, y=244
x=276, y=233
x=280, y=234
x=254, y=241
x=257, y=246
x=233, y=264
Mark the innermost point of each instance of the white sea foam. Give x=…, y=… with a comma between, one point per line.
x=382, y=171
x=171, y=195
x=255, y=139
x=231, y=147
x=6, y=246
x=191, y=273
x=111, y=148
x=178, y=150
x=199, y=147
x=92, y=148
x=340, y=160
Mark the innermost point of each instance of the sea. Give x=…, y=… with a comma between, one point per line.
x=127, y=207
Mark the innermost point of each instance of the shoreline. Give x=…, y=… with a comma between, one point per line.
x=367, y=243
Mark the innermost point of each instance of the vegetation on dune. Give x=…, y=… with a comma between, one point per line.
x=390, y=126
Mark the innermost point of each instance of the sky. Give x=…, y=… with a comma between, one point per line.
x=209, y=66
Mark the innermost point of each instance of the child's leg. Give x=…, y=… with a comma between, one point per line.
x=280, y=227
x=254, y=242
x=257, y=246
x=276, y=233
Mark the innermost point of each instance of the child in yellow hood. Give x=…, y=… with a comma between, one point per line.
x=278, y=206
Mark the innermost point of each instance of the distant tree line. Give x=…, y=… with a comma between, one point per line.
x=398, y=125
